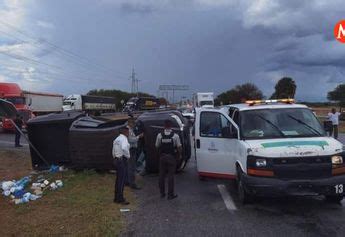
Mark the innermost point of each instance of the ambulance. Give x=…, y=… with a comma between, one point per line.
x=271, y=148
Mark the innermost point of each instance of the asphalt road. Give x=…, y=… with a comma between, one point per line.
x=211, y=208
x=7, y=141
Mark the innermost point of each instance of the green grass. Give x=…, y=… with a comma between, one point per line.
x=83, y=207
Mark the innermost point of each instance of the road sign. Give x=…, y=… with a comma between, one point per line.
x=173, y=87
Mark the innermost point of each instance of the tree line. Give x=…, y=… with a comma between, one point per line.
x=285, y=88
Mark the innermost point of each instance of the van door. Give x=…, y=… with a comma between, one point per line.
x=216, y=137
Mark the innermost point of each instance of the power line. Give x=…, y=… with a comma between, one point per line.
x=60, y=49
x=62, y=73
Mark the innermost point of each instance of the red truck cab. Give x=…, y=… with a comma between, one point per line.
x=12, y=93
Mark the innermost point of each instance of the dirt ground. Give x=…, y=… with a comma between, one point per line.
x=83, y=207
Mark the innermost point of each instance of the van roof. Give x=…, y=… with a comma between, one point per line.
x=242, y=107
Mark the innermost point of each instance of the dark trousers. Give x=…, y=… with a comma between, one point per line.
x=334, y=130
x=167, y=167
x=132, y=167
x=17, y=138
x=121, y=170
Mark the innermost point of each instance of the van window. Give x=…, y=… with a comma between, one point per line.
x=213, y=124
x=280, y=123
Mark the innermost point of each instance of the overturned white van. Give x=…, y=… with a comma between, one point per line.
x=272, y=148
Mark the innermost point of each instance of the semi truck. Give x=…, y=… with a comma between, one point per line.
x=203, y=99
x=142, y=103
x=90, y=104
x=28, y=104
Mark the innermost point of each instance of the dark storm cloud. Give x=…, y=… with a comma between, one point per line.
x=140, y=8
x=209, y=45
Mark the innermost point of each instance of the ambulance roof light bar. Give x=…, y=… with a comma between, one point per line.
x=255, y=102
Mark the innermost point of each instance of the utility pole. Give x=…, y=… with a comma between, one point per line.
x=135, y=83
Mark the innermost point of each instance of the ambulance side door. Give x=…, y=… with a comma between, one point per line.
x=216, y=137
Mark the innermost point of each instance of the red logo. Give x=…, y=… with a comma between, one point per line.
x=339, y=31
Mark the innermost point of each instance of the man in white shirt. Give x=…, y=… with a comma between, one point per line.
x=121, y=155
x=334, y=118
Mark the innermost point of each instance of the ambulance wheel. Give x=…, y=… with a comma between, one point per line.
x=243, y=195
x=334, y=199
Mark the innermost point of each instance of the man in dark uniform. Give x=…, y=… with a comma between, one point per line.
x=121, y=155
x=18, y=121
x=169, y=146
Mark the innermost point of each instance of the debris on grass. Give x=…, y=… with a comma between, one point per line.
x=18, y=190
x=125, y=210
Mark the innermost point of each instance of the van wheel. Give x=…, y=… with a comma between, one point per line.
x=243, y=195
x=334, y=199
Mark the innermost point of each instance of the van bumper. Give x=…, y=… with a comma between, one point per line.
x=273, y=187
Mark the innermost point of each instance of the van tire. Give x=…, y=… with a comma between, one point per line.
x=243, y=195
x=334, y=199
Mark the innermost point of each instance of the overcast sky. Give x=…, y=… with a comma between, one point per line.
x=73, y=46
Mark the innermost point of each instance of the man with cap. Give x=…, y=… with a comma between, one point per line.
x=132, y=161
x=168, y=144
x=121, y=155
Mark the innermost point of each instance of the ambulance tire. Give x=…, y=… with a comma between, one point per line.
x=243, y=195
x=334, y=199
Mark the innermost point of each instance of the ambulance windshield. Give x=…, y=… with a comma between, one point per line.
x=279, y=123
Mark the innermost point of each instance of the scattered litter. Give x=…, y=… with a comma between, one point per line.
x=17, y=190
x=59, y=183
x=54, y=168
x=53, y=186
x=125, y=210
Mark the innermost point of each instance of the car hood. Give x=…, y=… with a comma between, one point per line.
x=294, y=147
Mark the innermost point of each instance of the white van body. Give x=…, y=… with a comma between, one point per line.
x=227, y=138
x=203, y=99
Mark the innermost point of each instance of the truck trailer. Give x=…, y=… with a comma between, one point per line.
x=141, y=104
x=89, y=104
x=43, y=103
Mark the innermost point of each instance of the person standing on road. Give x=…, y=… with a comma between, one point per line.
x=121, y=154
x=132, y=161
x=18, y=121
x=169, y=145
x=334, y=118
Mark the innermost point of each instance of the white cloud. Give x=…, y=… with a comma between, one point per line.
x=15, y=45
x=45, y=24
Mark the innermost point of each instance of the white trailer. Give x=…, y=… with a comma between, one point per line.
x=90, y=104
x=43, y=103
x=203, y=99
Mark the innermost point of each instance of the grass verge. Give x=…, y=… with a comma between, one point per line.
x=83, y=207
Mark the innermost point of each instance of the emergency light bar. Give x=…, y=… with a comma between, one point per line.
x=254, y=102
